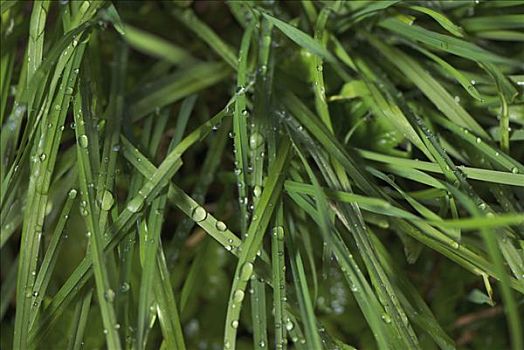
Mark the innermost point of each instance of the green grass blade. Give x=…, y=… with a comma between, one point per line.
x=192, y=22
x=155, y=46
x=175, y=87
x=301, y=38
x=253, y=241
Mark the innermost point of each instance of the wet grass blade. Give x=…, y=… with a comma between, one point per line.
x=253, y=241
x=301, y=38
x=443, y=42
x=45, y=157
x=105, y=293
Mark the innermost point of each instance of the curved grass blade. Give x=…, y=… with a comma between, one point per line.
x=448, y=68
x=444, y=42
x=301, y=38
x=430, y=87
x=444, y=21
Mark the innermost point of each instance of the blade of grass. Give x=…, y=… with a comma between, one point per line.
x=174, y=87
x=80, y=319
x=188, y=18
x=301, y=38
x=45, y=158
x=253, y=241
x=50, y=258
x=240, y=129
x=118, y=230
x=443, y=42
x=155, y=46
x=105, y=294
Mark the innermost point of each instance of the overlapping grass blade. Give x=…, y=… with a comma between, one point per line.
x=252, y=243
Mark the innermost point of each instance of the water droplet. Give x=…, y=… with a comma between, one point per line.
x=42, y=157
x=246, y=271
x=72, y=193
x=457, y=99
x=135, y=204
x=257, y=191
x=289, y=325
x=238, y=296
x=124, y=287
x=116, y=147
x=262, y=343
x=255, y=141
x=386, y=318
x=107, y=200
x=109, y=295
x=478, y=140
x=83, y=141
x=199, y=214
x=234, y=324
x=515, y=170
x=69, y=91
x=278, y=231
x=240, y=90
x=220, y=226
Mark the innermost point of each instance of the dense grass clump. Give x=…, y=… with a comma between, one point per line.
x=262, y=174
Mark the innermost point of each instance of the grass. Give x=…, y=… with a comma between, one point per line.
x=262, y=174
